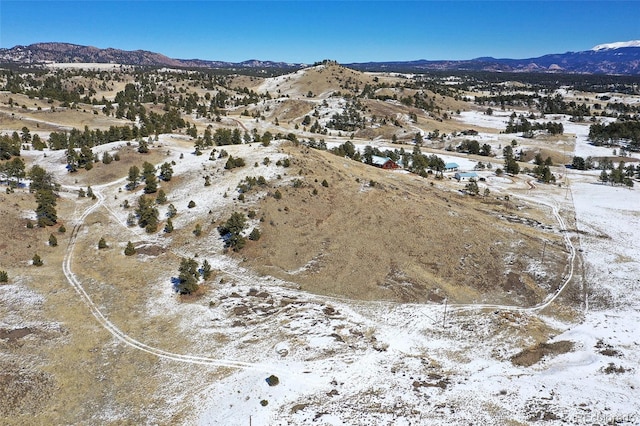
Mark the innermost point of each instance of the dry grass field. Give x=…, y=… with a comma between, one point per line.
x=367, y=235
x=374, y=234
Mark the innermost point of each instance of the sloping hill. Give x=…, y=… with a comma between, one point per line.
x=373, y=234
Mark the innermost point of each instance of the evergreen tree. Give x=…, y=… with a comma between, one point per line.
x=14, y=169
x=205, y=270
x=37, y=143
x=102, y=244
x=143, y=148
x=510, y=164
x=168, y=227
x=4, y=277
x=106, y=158
x=53, y=241
x=134, y=175
x=150, y=180
x=41, y=179
x=232, y=229
x=255, y=234
x=472, y=187
x=148, y=215
x=45, y=210
x=130, y=250
x=171, y=211
x=36, y=260
x=187, y=276
x=604, y=177
x=161, y=198
x=166, y=172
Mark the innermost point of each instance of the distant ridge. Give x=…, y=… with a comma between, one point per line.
x=619, y=58
x=622, y=58
x=42, y=53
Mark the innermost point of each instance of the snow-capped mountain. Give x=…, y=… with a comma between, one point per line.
x=617, y=45
x=619, y=58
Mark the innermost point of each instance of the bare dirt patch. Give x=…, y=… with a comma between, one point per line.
x=534, y=354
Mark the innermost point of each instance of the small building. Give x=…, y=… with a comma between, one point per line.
x=451, y=167
x=465, y=176
x=383, y=162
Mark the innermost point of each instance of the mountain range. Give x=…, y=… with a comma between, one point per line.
x=621, y=58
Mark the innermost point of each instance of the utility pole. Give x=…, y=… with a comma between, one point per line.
x=444, y=318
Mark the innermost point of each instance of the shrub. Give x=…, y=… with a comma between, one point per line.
x=272, y=380
x=37, y=261
x=102, y=243
x=62, y=229
x=130, y=250
x=325, y=183
x=277, y=195
x=168, y=227
x=254, y=235
x=191, y=204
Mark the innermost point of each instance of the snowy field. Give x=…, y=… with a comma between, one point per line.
x=404, y=363
x=418, y=372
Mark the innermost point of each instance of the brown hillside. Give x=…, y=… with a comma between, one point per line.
x=404, y=238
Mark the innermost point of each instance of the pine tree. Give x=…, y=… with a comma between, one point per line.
x=168, y=227
x=188, y=276
x=255, y=234
x=130, y=250
x=206, y=270
x=53, y=241
x=102, y=243
x=166, y=172
x=46, y=211
x=161, y=198
x=37, y=261
x=4, y=277
x=147, y=214
x=232, y=229
x=143, y=147
x=150, y=180
x=134, y=175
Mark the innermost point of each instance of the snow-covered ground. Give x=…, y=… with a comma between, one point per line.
x=341, y=362
x=419, y=372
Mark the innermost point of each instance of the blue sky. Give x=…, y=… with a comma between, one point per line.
x=309, y=31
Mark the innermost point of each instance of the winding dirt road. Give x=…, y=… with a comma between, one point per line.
x=219, y=362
